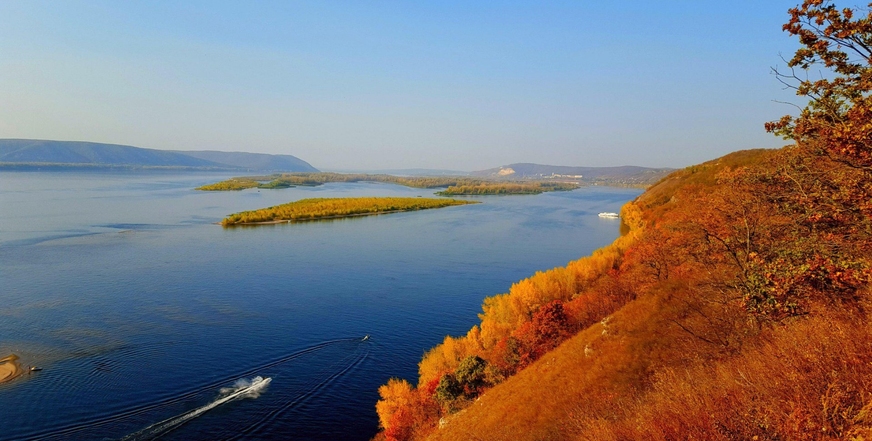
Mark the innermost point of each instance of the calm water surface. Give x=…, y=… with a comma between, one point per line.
x=146, y=315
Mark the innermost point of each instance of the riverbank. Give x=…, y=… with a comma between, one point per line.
x=9, y=368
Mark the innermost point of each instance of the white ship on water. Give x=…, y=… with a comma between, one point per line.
x=607, y=214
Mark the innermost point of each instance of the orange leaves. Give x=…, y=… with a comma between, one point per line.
x=442, y=358
x=838, y=114
x=549, y=327
x=503, y=314
x=403, y=411
x=716, y=251
x=395, y=395
x=534, y=317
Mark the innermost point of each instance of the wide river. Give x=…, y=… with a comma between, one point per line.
x=151, y=321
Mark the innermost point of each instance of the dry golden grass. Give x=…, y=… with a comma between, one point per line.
x=640, y=376
x=808, y=380
x=655, y=200
x=686, y=350
x=590, y=371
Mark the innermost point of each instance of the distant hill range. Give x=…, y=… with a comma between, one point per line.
x=406, y=172
x=30, y=153
x=624, y=175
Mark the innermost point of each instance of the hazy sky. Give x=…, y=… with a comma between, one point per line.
x=372, y=85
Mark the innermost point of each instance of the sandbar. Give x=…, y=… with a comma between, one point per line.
x=9, y=368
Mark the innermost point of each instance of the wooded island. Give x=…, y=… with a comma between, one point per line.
x=334, y=208
x=455, y=185
x=506, y=188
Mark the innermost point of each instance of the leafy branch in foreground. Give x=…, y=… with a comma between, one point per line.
x=837, y=117
x=823, y=184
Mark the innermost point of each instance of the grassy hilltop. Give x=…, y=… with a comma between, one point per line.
x=730, y=310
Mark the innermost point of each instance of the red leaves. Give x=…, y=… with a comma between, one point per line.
x=549, y=327
x=839, y=112
x=832, y=164
x=404, y=411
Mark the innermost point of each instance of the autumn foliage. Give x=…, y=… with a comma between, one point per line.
x=282, y=180
x=516, y=329
x=736, y=307
x=455, y=185
x=325, y=208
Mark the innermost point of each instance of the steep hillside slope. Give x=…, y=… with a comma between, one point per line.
x=81, y=153
x=591, y=372
x=736, y=307
x=34, y=152
x=254, y=161
x=732, y=270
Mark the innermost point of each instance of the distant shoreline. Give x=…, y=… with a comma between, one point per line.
x=63, y=166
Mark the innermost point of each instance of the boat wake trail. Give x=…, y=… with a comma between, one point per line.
x=318, y=384
x=86, y=429
x=242, y=389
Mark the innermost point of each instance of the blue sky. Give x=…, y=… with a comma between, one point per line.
x=376, y=85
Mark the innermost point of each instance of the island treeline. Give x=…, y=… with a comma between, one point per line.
x=456, y=185
x=311, y=179
x=486, y=188
x=736, y=307
x=330, y=208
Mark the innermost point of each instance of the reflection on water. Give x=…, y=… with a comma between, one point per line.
x=141, y=309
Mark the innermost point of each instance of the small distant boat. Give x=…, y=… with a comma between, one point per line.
x=606, y=214
x=35, y=369
x=365, y=337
